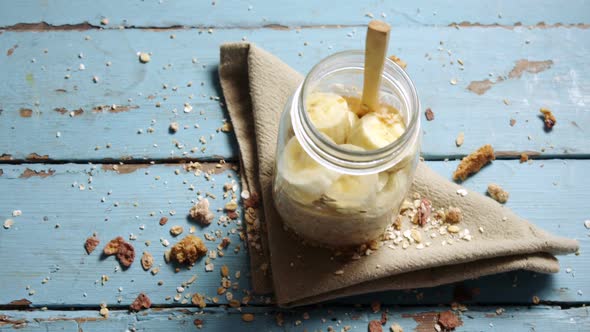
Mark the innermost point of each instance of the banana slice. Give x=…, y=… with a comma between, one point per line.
x=352, y=120
x=374, y=131
x=383, y=178
x=308, y=179
x=395, y=186
x=352, y=192
x=330, y=114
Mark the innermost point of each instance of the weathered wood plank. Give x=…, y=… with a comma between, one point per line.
x=561, y=83
x=262, y=12
x=57, y=217
x=537, y=318
x=33, y=249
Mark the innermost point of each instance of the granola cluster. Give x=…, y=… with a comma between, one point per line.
x=548, y=118
x=474, y=162
x=201, y=213
x=188, y=250
x=496, y=192
x=141, y=302
x=426, y=224
x=124, y=251
x=91, y=244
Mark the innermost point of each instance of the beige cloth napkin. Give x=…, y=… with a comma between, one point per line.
x=256, y=86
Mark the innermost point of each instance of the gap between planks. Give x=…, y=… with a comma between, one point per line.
x=175, y=306
x=84, y=26
x=500, y=155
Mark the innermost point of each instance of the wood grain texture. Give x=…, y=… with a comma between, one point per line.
x=537, y=318
x=548, y=195
x=256, y=13
x=554, y=75
x=138, y=196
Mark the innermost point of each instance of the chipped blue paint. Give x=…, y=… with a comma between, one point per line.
x=538, y=318
x=255, y=13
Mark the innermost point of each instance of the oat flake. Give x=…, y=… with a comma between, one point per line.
x=8, y=223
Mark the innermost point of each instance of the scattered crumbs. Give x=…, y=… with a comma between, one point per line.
x=398, y=61
x=104, y=21
x=536, y=300
x=549, y=118
x=17, y=213
x=8, y=223
x=91, y=244
x=245, y=194
x=226, y=127
x=339, y=272
x=141, y=302
x=173, y=127
x=188, y=250
x=453, y=81
x=460, y=139
x=147, y=260
x=453, y=215
x=498, y=193
x=462, y=192
x=448, y=320
x=104, y=311
x=396, y=328
x=95, y=79
x=524, y=158
x=187, y=108
x=144, y=57
x=453, y=229
x=375, y=326
x=512, y=122
x=198, y=300
x=587, y=224
x=474, y=162
x=201, y=213
x=429, y=114
x=176, y=230
x=247, y=317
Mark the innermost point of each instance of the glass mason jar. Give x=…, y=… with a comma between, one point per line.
x=338, y=195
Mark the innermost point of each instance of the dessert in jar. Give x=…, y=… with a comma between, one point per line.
x=342, y=170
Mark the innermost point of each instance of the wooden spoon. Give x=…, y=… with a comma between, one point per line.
x=375, y=51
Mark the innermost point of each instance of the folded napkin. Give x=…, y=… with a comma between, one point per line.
x=256, y=86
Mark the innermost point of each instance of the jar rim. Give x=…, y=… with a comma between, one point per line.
x=326, y=149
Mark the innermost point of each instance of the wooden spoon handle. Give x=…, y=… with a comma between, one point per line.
x=375, y=51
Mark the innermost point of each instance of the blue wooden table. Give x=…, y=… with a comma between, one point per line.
x=85, y=148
